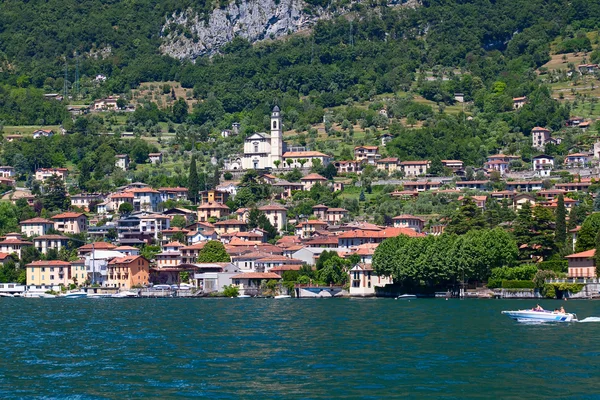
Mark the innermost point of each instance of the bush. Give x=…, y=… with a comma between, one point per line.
x=494, y=283
x=554, y=265
x=518, y=284
x=551, y=288
x=522, y=273
x=231, y=291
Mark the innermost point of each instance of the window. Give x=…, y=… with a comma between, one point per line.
x=274, y=124
x=51, y=269
x=256, y=148
x=32, y=269
x=43, y=269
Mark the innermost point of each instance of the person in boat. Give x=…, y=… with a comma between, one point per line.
x=538, y=308
x=562, y=310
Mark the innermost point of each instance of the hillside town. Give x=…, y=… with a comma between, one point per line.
x=140, y=236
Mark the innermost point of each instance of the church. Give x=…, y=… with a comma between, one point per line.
x=262, y=151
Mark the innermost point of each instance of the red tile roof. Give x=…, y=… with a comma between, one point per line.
x=583, y=254
x=313, y=177
x=42, y=263
x=68, y=215
x=273, y=207
x=257, y=275
x=37, y=221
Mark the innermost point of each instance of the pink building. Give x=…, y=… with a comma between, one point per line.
x=581, y=265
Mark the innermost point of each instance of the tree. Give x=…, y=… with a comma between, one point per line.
x=586, y=239
x=179, y=221
x=212, y=252
x=361, y=196
x=125, y=208
x=180, y=110
x=468, y=217
x=597, y=254
x=55, y=194
x=330, y=171
x=193, y=182
x=560, y=232
x=597, y=201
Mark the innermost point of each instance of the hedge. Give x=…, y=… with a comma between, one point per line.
x=554, y=265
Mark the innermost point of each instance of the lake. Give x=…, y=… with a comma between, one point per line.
x=292, y=348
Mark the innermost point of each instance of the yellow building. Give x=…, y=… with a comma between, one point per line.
x=52, y=272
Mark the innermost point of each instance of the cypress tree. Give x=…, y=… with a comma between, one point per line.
x=193, y=182
x=560, y=230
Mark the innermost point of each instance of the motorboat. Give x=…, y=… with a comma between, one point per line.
x=6, y=295
x=283, y=296
x=75, y=295
x=244, y=296
x=406, y=297
x=540, y=316
x=123, y=295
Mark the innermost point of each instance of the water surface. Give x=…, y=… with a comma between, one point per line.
x=266, y=348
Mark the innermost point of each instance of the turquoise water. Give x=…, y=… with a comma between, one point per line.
x=265, y=348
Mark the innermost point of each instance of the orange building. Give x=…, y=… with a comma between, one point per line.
x=129, y=271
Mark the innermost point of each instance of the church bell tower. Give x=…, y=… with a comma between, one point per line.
x=276, y=136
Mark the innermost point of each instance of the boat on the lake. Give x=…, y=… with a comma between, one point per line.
x=75, y=295
x=123, y=295
x=406, y=297
x=283, y=296
x=540, y=316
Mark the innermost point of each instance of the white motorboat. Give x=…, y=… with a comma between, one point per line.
x=244, y=296
x=6, y=295
x=283, y=296
x=75, y=295
x=406, y=297
x=540, y=316
x=123, y=295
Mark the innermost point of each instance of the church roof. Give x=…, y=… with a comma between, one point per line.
x=276, y=109
x=258, y=135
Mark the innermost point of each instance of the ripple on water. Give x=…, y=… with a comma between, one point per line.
x=333, y=348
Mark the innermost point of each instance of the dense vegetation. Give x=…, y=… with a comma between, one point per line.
x=382, y=51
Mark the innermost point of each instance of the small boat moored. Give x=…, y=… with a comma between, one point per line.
x=406, y=297
x=541, y=316
x=75, y=295
x=283, y=296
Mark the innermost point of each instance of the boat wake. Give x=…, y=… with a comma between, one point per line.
x=591, y=319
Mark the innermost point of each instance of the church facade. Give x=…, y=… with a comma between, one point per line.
x=262, y=150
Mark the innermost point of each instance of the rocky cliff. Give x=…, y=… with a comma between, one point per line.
x=188, y=35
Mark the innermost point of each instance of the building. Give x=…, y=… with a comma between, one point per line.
x=128, y=272
x=173, y=193
x=581, y=265
x=363, y=281
x=109, y=103
x=153, y=224
x=500, y=166
x=40, y=133
x=368, y=154
x=543, y=164
x=7, y=172
x=70, y=222
x=52, y=273
x=41, y=174
x=84, y=200
x=519, y=102
x=145, y=199
x=276, y=214
x=306, y=228
x=262, y=150
x=13, y=243
x=36, y=226
x=311, y=180
x=170, y=256
x=44, y=243
x=454, y=165
x=540, y=136
x=358, y=237
x=212, y=210
x=304, y=159
x=409, y=221
x=214, y=196
x=577, y=160
x=415, y=168
x=386, y=138
x=155, y=158
x=344, y=167
x=78, y=272
x=389, y=164
x=250, y=283
x=122, y=161
x=229, y=226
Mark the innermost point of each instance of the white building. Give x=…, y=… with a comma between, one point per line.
x=262, y=150
x=363, y=281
